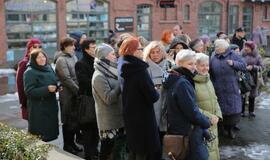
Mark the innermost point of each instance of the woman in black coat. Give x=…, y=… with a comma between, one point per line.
x=139, y=95
x=84, y=69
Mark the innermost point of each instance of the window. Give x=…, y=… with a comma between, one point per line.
x=247, y=21
x=233, y=18
x=90, y=17
x=209, y=18
x=26, y=19
x=264, y=13
x=169, y=14
x=143, y=21
x=13, y=17
x=187, y=12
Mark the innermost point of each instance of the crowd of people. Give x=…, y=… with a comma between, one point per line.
x=137, y=91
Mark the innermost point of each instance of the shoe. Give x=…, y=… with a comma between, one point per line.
x=243, y=115
x=232, y=134
x=252, y=114
x=70, y=150
x=76, y=148
x=236, y=128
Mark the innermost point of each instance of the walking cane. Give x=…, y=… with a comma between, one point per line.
x=171, y=156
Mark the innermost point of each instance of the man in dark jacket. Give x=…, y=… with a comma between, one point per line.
x=84, y=69
x=239, y=37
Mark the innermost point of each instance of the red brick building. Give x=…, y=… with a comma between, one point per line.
x=50, y=20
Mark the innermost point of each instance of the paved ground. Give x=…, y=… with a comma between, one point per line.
x=252, y=142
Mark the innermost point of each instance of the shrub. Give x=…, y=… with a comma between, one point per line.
x=17, y=144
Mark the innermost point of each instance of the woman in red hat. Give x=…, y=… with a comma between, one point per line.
x=33, y=43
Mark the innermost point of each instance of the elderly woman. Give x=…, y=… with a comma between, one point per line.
x=65, y=70
x=207, y=100
x=155, y=57
x=254, y=64
x=107, y=95
x=40, y=89
x=223, y=67
x=139, y=95
x=182, y=108
x=33, y=43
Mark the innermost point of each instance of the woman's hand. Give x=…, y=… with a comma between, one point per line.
x=249, y=67
x=214, y=120
x=230, y=62
x=52, y=88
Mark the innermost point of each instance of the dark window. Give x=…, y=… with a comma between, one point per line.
x=143, y=21
x=264, y=14
x=13, y=17
x=247, y=20
x=233, y=18
x=209, y=18
x=44, y=17
x=187, y=12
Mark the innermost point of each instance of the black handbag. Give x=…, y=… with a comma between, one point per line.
x=86, y=109
x=246, y=81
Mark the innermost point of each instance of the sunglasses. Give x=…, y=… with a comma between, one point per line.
x=37, y=46
x=140, y=49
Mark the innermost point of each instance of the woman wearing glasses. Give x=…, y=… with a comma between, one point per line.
x=139, y=95
x=40, y=89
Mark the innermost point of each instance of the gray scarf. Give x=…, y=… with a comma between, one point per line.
x=108, y=68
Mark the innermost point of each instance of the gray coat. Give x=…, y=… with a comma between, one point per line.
x=255, y=60
x=225, y=81
x=65, y=70
x=156, y=74
x=106, y=92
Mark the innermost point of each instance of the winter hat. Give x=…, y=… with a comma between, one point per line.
x=234, y=46
x=205, y=39
x=178, y=40
x=195, y=44
x=103, y=50
x=240, y=29
x=250, y=44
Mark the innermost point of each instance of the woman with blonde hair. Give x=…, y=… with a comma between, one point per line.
x=154, y=55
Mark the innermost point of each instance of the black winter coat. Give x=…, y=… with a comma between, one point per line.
x=139, y=95
x=84, y=69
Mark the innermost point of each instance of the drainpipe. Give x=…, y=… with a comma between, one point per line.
x=228, y=14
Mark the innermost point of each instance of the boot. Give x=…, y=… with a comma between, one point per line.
x=251, y=106
x=231, y=133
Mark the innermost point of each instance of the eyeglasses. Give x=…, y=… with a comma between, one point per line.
x=37, y=46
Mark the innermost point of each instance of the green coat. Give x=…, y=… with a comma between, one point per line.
x=42, y=105
x=208, y=104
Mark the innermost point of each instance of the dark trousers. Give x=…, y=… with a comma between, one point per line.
x=149, y=156
x=68, y=135
x=90, y=139
x=106, y=149
x=251, y=104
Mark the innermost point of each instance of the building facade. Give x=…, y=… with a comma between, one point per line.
x=50, y=20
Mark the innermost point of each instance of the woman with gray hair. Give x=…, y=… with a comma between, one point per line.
x=223, y=67
x=154, y=55
x=207, y=101
x=182, y=109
